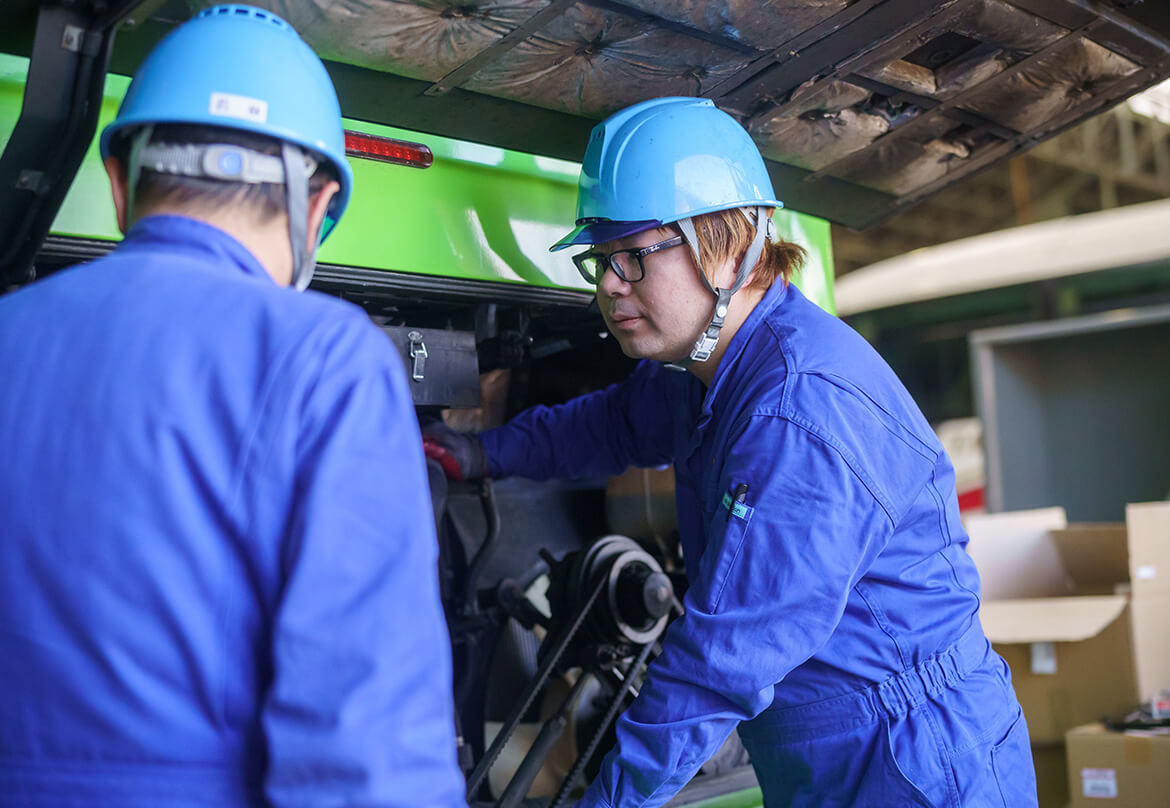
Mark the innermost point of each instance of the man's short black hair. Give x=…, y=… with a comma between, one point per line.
x=264, y=201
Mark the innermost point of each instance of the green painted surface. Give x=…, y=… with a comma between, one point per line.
x=87, y=210
x=750, y=798
x=816, y=279
x=479, y=212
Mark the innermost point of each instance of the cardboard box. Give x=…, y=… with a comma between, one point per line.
x=1117, y=769
x=1081, y=613
x=639, y=503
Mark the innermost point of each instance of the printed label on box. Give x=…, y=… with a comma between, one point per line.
x=1099, y=783
x=1043, y=658
x=1146, y=572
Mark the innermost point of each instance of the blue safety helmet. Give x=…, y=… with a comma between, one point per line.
x=661, y=161
x=665, y=161
x=243, y=68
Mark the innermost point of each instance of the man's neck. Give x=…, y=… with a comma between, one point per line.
x=267, y=241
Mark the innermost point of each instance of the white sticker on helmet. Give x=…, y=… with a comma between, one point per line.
x=226, y=105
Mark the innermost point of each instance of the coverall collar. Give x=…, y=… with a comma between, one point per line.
x=197, y=236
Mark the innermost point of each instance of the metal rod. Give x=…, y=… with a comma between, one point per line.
x=897, y=25
x=719, y=40
x=500, y=46
x=477, y=777
x=790, y=48
x=1121, y=21
x=550, y=733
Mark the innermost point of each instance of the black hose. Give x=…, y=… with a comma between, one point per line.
x=538, y=752
x=491, y=513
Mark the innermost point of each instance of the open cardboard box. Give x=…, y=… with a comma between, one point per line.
x=1081, y=613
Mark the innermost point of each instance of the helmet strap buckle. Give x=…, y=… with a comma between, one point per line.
x=705, y=345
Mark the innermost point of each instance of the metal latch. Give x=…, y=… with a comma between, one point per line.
x=418, y=355
x=72, y=38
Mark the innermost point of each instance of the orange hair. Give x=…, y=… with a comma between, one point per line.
x=727, y=234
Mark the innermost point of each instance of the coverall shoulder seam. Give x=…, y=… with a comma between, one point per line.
x=944, y=529
x=917, y=445
x=790, y=368
x=850, y=461
x=269, y=407
x=283, y=374
x=945, y=532
x=788, y=412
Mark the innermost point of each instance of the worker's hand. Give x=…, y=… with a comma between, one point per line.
x=461, y=454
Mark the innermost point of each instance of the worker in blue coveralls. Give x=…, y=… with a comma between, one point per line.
x=832, y=612
x=218, y=580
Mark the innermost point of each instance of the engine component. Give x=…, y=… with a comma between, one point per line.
x=609, y=603
x=635, y=600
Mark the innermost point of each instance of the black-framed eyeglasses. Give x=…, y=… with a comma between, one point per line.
x=626, y=264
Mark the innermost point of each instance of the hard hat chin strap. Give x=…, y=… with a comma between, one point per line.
x=134, y=167
x=296, y=183
x=709, y=338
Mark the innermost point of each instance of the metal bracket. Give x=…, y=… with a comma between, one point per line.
x=34, y=181
x=73, y=38
x=418, y=356
x=76, y=39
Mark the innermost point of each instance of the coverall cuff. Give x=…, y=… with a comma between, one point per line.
x=492, y=450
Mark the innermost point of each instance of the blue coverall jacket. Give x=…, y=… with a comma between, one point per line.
x=832, y=608
x=217, y=554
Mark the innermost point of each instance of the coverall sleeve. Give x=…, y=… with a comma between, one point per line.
x=770, y=588
x=360, y=709
x=600, y=433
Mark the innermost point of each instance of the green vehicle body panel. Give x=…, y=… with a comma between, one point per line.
x=747, y=798
x=479, y=212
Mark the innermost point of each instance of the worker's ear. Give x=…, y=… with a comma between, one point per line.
x=118, y=189
x=750, y=279
x=318, y=207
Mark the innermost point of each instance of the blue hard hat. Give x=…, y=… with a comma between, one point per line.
x=243, y=68
x=663, y=160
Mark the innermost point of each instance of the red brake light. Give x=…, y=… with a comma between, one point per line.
x=387, y=150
